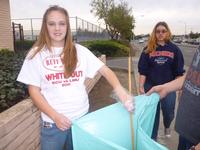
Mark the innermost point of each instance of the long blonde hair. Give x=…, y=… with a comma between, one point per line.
x=69, y=52
x=152, y=42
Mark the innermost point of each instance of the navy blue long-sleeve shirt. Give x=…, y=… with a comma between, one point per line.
x=162, y=65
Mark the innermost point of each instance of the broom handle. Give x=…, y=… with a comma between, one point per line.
x=129, y=87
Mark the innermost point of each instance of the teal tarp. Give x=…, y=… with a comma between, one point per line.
x=109, y=128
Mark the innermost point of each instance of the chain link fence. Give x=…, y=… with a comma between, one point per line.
x=82, y=30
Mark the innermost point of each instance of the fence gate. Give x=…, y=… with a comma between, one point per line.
x=18, y=34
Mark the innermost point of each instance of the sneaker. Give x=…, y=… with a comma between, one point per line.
x=167, y=132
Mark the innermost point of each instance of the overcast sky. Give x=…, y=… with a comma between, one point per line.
x=181, y=15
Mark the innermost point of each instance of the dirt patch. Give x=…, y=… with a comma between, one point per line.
x=100, y=95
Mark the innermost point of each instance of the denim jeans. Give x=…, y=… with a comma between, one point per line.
x=167, y=105
x=53, y=138
x=184, y=144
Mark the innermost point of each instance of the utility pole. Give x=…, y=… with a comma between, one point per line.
x=185, y=29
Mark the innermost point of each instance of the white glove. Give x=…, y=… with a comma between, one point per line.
x=129, y=104
x=122, y=95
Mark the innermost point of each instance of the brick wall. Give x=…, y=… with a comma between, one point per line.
x=19, y=125
x=6, y=37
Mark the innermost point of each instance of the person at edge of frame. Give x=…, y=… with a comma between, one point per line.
x=187, y=122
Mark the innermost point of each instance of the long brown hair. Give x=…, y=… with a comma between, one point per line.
x=152, y=42
x=69, y=53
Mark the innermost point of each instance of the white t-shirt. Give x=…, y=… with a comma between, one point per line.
x=66, y=96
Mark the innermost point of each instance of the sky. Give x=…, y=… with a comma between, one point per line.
x=182, y=16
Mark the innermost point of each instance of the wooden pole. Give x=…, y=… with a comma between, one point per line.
x=130, y=90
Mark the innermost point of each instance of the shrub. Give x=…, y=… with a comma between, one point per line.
x=23, y=45
x=11, y=91
x=110, y=48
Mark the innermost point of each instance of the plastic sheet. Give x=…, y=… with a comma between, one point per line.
x=109, y=128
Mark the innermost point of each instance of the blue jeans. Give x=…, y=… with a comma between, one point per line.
x=184, y=144
x=53, y=138
x=167, y=105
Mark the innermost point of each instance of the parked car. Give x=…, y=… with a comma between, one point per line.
x=177, y=40
x=141, y=41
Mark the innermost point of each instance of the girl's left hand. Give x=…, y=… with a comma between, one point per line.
x=62, y=122
x=197, y=147
x=129, y=104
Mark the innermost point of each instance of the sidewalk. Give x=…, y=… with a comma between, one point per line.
x=121, y=63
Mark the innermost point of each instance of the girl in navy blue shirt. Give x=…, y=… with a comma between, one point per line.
x=160, y=62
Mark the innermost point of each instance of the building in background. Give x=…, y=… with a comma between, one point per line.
x=6, y=35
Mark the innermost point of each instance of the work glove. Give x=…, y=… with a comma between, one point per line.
x=129, y=104
x=121, y=95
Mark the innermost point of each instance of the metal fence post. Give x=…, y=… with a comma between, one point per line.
x=31, y=28
x=76, y=24
x=14, y=39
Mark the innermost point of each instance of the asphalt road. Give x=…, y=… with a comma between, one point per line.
x=188, y=52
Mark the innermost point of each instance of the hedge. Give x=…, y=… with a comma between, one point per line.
x=11, y=91
x=110, y=48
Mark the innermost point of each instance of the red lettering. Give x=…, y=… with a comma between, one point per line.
x=55, y=76
x=65, y=81
x=48, y=77
x=56, y=82
x=47, y=62
x=52, y=61
x=81, y=73
x=76, y=79
x=66, y=84
x=162, y=53
x=77, y=74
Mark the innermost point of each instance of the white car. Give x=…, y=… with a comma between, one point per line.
x=141, y=41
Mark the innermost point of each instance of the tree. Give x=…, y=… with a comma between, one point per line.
x=100, y=8
x=118, y=19
x=194, y=35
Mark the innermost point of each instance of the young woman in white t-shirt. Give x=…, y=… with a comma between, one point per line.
x=55, y=70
